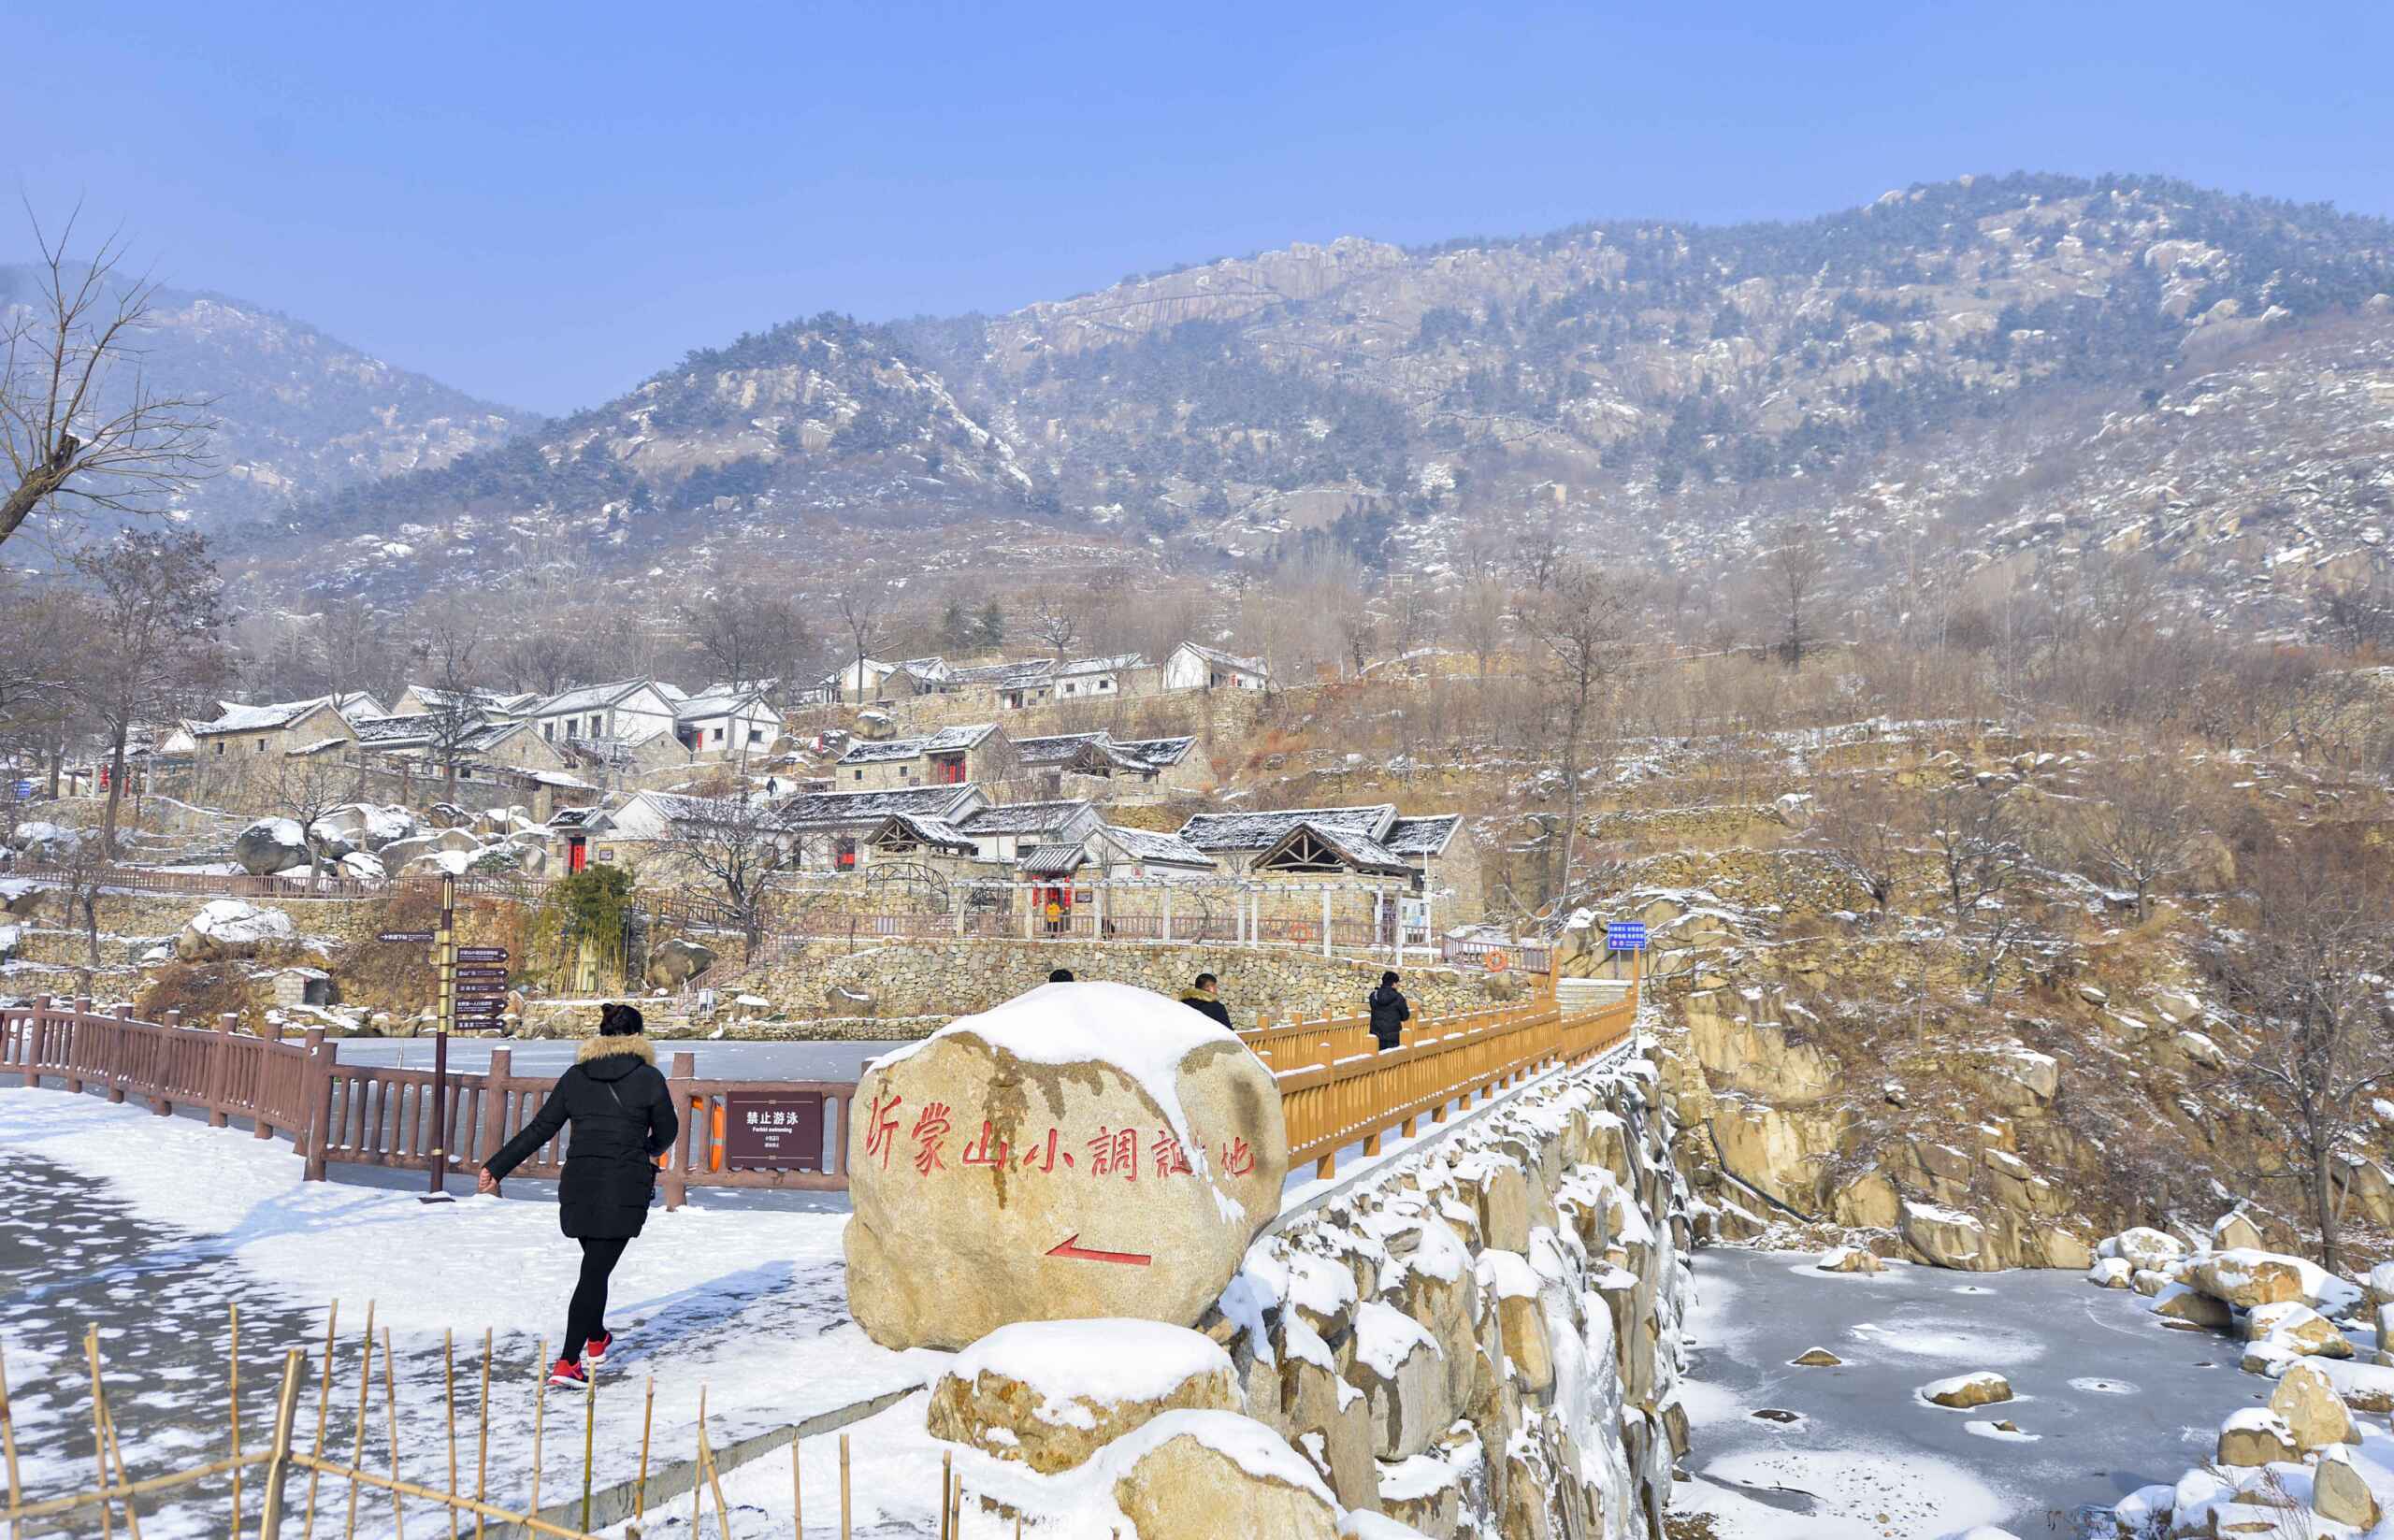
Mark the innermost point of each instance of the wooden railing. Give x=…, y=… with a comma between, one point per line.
x=211, y=884
x=1337, y=1087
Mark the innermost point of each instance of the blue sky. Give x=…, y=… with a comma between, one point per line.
x=543, y=203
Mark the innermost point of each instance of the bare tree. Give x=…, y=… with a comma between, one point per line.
x=84, y=432
x=1981, y=855
x=1581, y=624
x=1791, y=574
x=449, y=651
x=1480, y=620
x=307, y=788
x=860, y=605
x=544, y=661
x=745, y=632
x=1860, y=828
x=153, y=602
x=735, y=841
x=2310, y=974
x=1055, y=619
x=2137, y=828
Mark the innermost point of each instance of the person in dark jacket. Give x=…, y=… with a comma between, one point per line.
x=622, y=1118
x=1390, y=1011
x=1205, y=1001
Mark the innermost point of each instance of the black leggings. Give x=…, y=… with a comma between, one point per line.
x=586, y=1316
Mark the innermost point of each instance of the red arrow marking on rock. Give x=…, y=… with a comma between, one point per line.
x=1129, y=1258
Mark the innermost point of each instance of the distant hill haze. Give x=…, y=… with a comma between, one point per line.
x=2024, y=364
x=301, y=414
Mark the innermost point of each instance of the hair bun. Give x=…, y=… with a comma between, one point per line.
x=617, y=1019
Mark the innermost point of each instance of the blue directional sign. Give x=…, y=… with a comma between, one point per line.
x=24, y=791
x=1625, y=936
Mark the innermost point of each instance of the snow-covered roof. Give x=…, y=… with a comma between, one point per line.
x=715, y=702
x=1057, y=748
x=677, y=808
x=842, y=809
x=1145, y=844
x=1228, y=660
x=924, y=830
x=1025, y=817
x=393, y=732
x=582, y=697
x=1350, y=844
x=1056, y=860
x=1158, y=752
x=1425, y=836
x=1212, y=831
x=1006, y=676
x=267, y=718
x=946, y=740
x=1118, y=663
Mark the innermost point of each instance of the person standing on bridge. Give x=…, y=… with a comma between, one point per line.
x=1205, y=998
x=622, y=1118
x=1390, y=1011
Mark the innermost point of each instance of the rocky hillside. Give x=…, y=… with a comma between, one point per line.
x=1983, y=370
x=301, y=414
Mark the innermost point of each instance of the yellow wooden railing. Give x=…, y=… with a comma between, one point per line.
x=1338, y=1088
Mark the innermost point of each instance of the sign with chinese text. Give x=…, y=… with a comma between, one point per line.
x=773, y=1130
x=1625, y=936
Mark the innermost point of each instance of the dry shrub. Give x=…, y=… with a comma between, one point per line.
x=398, y=976
x=202, y=992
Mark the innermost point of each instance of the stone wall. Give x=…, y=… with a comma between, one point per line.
x=951, y=978
x=1486, y=1342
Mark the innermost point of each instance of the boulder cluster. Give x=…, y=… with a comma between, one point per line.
x=364, y=842
x=2304, y=1453
x=1483, y=1342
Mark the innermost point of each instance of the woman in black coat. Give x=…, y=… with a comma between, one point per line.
x=623, y=1118
x=1390, y=1013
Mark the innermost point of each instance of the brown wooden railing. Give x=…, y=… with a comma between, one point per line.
x=1337, y=1087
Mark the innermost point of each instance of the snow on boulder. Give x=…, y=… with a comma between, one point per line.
x=1052, y=1393
x=1964, y=1392
x=1082, y=1151
x=2199, y=1050
x=1947, y=1237
x=2111, y=1272
x=1850, y=1258
x=1217, y=1476
x=2314, y=1414
x=228, y=928
x=2039, y=1075
x=2143, y=1248
x=1401, y=1369
x=2256, y=1436
x=2380, y=1291
x=270, y=845
x=362, y=866
x=45, y=842
x=2234, y=1231
x=2297, y=1327
x=2246, y=1276
x=2183, y=1305
x=2339, y=1495
x=436, y=863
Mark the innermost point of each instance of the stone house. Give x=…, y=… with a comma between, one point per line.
x=1430, y=856
x=424, y=701
x=979, y=751
x=257, y=735
x=1193, y=667
x=1099, y=764
x=1003, y=832
x=725, y=723
x=828, y=829
x=629, y=711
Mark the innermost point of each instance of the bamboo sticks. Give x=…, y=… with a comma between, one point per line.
x=391, y=1412
x=481, y=1439
x=324, y=1406
x=539, y=1419
x=99, y=1436
x=232, y=1359
x=357, y=1441
x=843, y=1487
x=946, y=1484
x=107, y=1421
x=796, y=1498
x=9, y=1447
x=530, y=1521
x=589, y=1445
x=640, y=1488
x=449, y=1415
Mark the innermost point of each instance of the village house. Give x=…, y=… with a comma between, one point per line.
x=1192, y=667
x=1425, y=857
x=725, y=723
x=1002, y=833
x=628, y=710
x=829, y=828
x=868, y=678
x=1097, y=764
x=950, y=756
x=424, y=701
x=261, y=734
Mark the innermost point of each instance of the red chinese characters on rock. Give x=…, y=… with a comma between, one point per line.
x=1115, y=1153
x=1170, y=1158
x=1111, y=1153
x=1237, y=1159
x=929, y=1129
x=988, y=1150
x=881, y=1128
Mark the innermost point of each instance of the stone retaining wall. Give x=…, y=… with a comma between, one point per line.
x=951, y=978
x=1487, y=1340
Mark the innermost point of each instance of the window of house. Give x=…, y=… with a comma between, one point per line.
x=756, y=735
x=718, y=735
x=597, y=725
x=549, y=732
x=261, y=746
x=1105, y=684
x=847, y=853
x=220, y=748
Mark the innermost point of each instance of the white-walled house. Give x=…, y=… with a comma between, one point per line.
x=726, y=723
x=1191, y=667
x=628, y=710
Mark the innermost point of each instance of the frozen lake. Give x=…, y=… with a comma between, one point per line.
x=2106, y=1400
x=725, y=1060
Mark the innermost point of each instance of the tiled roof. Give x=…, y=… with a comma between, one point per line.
x=930, y=831
x=715, y=703
x=1145, y=844
x=1228, y=660
x=1421, y=836
x=1006, y=676
x=1260, y=830
x=1158, y=752
x=392, y=732
x=267, y=718
x=1053, y=860
x=1025, y=817
x=1119, y=663
x=946, y=740
x=1056, y=749
x=582, y=697
x=824, y=809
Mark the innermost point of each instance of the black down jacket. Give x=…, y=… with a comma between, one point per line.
x=623, y=1118
x=1390, y=1013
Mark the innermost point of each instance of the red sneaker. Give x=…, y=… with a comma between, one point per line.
x=595, y=1351
x=567, y=1376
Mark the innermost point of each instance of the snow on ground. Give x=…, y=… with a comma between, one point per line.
x=748, y=1303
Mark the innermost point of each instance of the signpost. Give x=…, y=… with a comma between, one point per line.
x=467, y=994
x=1625, y=936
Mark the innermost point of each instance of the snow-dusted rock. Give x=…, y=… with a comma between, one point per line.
x=1947, y=1237
x=2143, y=1248
x=39, y=840
x=1083, y=1150
x=2256, y=1436
x=2178, y=1302
x=2234, y=1231
x=2380, y=1291
x=2111, y=1272
x=270, y=845
x=1816, y=1357
x=1850, y=1258
x=1964, y=1392
x=1216, y=1476
x=2314, y=1414
x=2298, y=1328
x=1506, y=1277
x=362, y=866
x=1401, y=1370
x=2201, y=1052
x=677, y=961
x=1051, y=1393
x=2246, y=1276
x=228, y=928
x=2340, y=1495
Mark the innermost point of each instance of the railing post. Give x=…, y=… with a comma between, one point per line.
x=37, y=1041
x=494, y=1131
x=316, y=1086
x=677, y=1173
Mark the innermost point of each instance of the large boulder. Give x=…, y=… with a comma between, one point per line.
x=2144, y=1249
x=363, y=867
x=1948, y=1237
x=1084, y=1150
x=2246, y=1277
x=2233, y=1231
x=2338, y=1494
x=228, y=928
x=40, y=842
x=2186, y=1306
x=676, y=962
x=270, y=845
x=1964, y=1392
x=2256, y=1436
x=1850, y=1258
x=2317, y=1417
x=1052, y=1393
x=2296, y=1328
x=1216, y=1476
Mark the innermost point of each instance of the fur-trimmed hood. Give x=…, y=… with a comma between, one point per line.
x=595, y=1050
